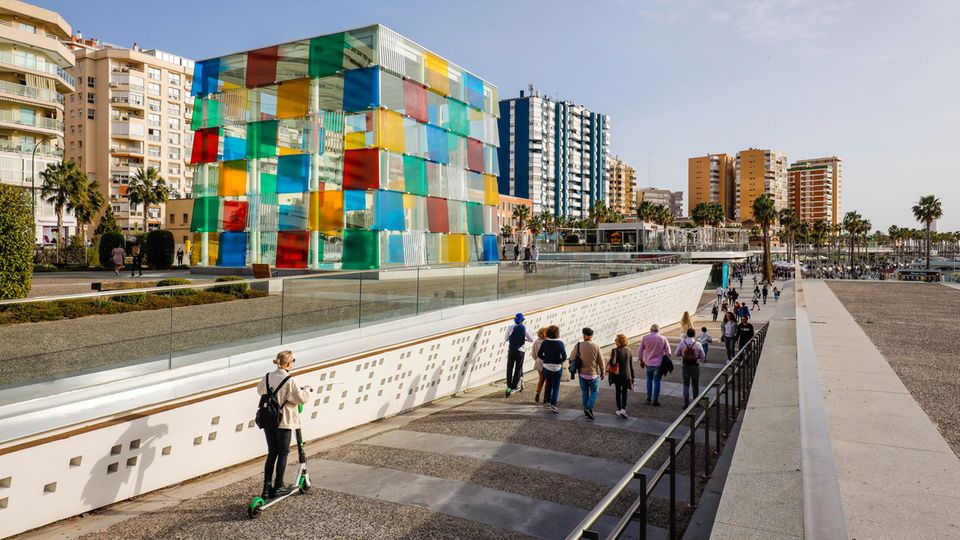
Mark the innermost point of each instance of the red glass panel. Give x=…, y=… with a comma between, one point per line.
x=415, y=101
x=474, y=155
x=437, y=218
x=262, y=66
x=205, y=144
x=292, y=247
x=361, y=169
x=234, y=215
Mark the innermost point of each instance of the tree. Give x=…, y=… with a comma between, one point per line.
x=894, y=233
x=715, y=216
x=89, y=201
x=764, y=215
x=927, y=210
x=644, y=214
x=159, y=249
x=146, y=188
x=108, y=223
x=788, y=222
x=522, y=216
x=821, y=229
x=506, y=231
x=851, y=226
x=600, y=213
x=62, y=184
x=700, y=214
x=17, y=237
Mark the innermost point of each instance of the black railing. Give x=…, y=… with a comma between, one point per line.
x=723, y=398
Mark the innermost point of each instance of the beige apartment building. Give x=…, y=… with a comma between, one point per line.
x=131, y=109
x=33, y=83
x=664, y=197
x=757, y=172
x=814, y=189
x=712, y=179
x=622, y=187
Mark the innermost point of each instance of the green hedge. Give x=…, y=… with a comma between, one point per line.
x=238, y=289
x=109, y=241
x=17, y=239
x=173, y=282
x=160, y=250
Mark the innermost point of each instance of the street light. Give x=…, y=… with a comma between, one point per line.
x=33, y=180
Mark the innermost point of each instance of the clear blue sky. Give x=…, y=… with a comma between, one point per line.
x=876, y=82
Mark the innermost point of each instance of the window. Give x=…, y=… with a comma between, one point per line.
x=173, y=93
x=153, y=119
x=154, y=134
x=173, y=108
x=173, y=138
x=28, y=28
x=153, y=73
x=91, y=98
x=92, y=82
x=90, y=114
x=154, y=104
x=173, y=78
x=186, y=218
x=153, y=151
x=72, y=97
x=173, y=219
x=153, y=89
x=174, y=153
x=173, y=169
x=173, y=123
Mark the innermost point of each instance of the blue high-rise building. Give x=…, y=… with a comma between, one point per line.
x=554, y=153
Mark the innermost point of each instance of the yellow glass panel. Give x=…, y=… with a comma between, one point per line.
x=213, y=248
x=233, y=178
x=390, y=132
x=457, y=248
x=325, y=212
x=438, y=74
x=409, y=201
x=355, y=140
x=491, y=192
x=288, y=151
x=293, y=98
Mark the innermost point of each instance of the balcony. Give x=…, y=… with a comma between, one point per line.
x=30, y=92
x=127, y=101
x=44, y=150
x=54, y=70
x=31, y=122
x=126, y=150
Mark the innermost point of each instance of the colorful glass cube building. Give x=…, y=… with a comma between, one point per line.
x=355, y=150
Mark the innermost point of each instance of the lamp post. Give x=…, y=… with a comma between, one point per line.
x=33, y=181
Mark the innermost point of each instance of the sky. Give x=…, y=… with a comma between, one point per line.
x=876, y=82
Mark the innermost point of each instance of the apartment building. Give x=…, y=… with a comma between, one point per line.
x=815, y=189
x=712, y=179
x=132, y=108
x=622, y=187
x=33, y=83
x=663, y=197
x=553, y=152
x=760, y=171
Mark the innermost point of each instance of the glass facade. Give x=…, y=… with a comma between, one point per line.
x=355, y=150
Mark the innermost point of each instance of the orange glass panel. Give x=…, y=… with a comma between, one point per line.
x=326, y=211
x=390, y=131
x=233, y=178
x=292, y=98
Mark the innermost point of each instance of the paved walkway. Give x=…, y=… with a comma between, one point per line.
x=898, y=478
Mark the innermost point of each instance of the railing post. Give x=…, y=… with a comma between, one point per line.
x=693, y=459
x=706, y=438
x=643, y=507
x=673, y=488
x=716, y=418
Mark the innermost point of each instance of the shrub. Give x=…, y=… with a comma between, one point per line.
x=17, y=239
x=237, y=289
x=109, y=241
x=132, y=298
x=160, y=249
x=44, y=268
x=175, y=281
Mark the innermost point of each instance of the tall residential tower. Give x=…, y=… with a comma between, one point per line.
x=622, y=187
x=712, y=179
x=758, y=172
x=815, y=189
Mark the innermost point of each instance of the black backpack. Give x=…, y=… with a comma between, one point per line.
x=269, y=411
x=518, y=337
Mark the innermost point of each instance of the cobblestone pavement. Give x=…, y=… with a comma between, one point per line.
x=915, y=327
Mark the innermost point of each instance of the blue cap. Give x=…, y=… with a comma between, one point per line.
x=518, y=318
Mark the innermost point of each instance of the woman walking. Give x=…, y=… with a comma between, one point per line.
x=537, y=362
x=552, y=353
x=620, y=370
x=280, y=386
x=729, y=333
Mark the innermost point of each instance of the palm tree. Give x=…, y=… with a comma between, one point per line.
x=851, y=226
x=788, y=221
x=927, y=210
x=894, y=234
x=600, y=213
x=147, y=187
x=644, y=214
x=701, y=214
x=821, y=229
x=88, y=204
x=506, y=231
x=715, y=215
x=62, y=182
x=764, y=215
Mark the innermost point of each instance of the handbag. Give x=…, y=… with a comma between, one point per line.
x=613, y=368
x=576, y=362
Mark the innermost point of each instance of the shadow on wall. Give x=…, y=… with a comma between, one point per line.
x=123, y=467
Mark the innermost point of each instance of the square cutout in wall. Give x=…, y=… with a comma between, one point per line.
x=50, y=488
x=112, y=468
x=134, y=444
x=131, y=461
x=239, y=427
x=215, y=421
x=212, y=436
x=166, y=450
x=75, y=461
x=5, y=482
x=197, y=441
x=115, y=450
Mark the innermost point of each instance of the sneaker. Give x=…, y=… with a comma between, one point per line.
x=553, y=409
x=267, y=489
x=648, y=401
x=117, y=272
x=624, y=414
x=656, y=403
x=280, y=491
x=508, y=392
x=589, y=413
x=686, y=404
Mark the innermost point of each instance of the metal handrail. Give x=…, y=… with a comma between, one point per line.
x=737, y=375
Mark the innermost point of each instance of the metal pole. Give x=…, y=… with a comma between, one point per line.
x=673, y=489
x=33, y=184
x=693, y=459
x=706, y=439
x=643, y=507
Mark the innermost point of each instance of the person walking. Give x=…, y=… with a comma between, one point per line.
x=137, y=260
x=517, y=338
x=728, y=334
x=719, y=294
x=180, y=256
x=118, y=256
x=715, y=312
x=280, y=386
x=620, y=372
x=516, y=252
x=756, y=298
x=744, y=331
x=534, y=257
x=776, y=294
x=741, y=280
x=690, y=351
x=734, y=295
x=705, y=339
x=537, y=362
x=552, y=353
x=590, y=370
x=527, y=257
x=765, y=292
x=653, y=347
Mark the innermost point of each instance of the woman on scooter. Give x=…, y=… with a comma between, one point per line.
x=289, y=395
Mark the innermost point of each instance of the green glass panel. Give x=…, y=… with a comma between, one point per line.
x=214, y=114
x=474, y=218
x=268, y=184
x=206, y=214
x=415, y=175
x=196, y=121
x=326, y=55
x=361, y=249
x=457, y=121
x=261, y=139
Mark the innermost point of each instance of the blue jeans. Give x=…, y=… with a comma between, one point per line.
x=706, y=348
x=552, y=391
x=653, y=383
x=691, y=382
x=589, y=389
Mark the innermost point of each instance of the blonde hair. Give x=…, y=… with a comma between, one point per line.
x=542, y=333
x=283, y=359
x=621, y=340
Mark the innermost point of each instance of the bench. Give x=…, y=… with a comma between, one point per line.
x=262, y=271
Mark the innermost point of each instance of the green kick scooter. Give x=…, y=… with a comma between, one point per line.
x=259, y=504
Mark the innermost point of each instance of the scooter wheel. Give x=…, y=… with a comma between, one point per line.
x=255, y=508
x=304, y=484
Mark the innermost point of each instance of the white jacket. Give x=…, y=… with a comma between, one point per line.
x=290, y=395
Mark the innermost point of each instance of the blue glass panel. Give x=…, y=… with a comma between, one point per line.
x=361, y=90
x=490, y=248
x=474, y=92
x=206, y=77
x=293, y=217
x=354, y=200
x=234, y=148
x=293, y=173
x=437, y=147
x=389, y=211
x=395, y=249
x=233, y=249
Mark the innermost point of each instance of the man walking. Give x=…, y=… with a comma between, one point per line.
x=765, y=291
x=719, y=294
x=591, y=371
x=744, y=331
x=517, y=339
x=691, y=352
x=137, y=253
x=653, y=347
